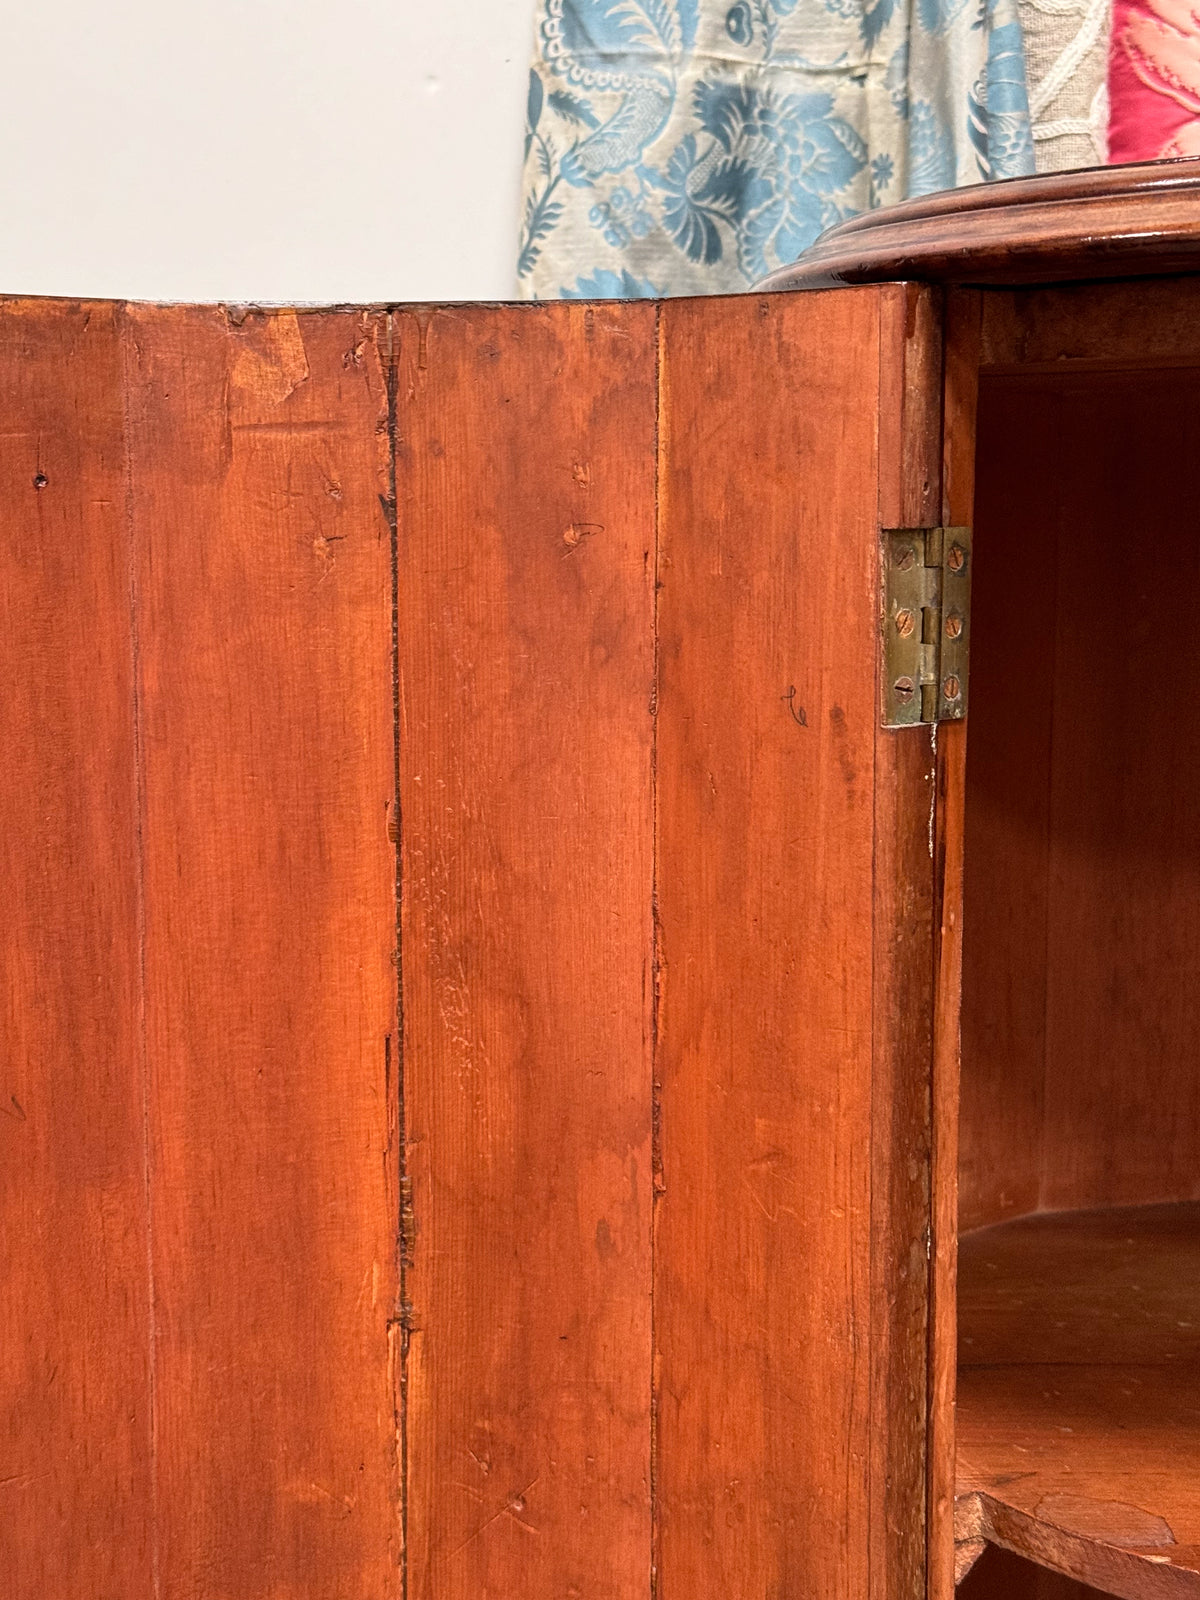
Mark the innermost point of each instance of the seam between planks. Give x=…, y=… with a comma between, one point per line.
x=402, y=1318
x=875, y=1584
x=125, y=338
x=657, y=1185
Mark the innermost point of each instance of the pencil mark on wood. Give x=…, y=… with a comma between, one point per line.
x=798, y=714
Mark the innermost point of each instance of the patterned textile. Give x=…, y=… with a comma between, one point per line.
x=690, y=146
x=1066, y=62
x=1154, y=80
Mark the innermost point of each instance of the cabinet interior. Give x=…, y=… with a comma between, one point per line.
x=1078, y=1391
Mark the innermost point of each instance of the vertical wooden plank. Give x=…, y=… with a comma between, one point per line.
x=1118, y=469
x=526, y=536
x=1008, y=833
x=263, y=635
x=74, y=1370
x=905, y=1364
x=949, y=864
x=1073, y=1092
x=769, y=797
x=961, y=333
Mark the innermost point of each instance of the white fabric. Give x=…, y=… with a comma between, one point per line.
x=1066, y=66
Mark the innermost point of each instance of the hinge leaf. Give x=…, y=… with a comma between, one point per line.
x=926, y=624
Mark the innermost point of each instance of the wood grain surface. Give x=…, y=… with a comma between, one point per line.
x=600, y=1270
x=262, y=627
x=1007, y=885
x=1082, y=797
x=1117, y=1286
x=1147, y=322
x=75, y=1389
x=913, y=1457
x=526, y=501
x=770, y=792
x=1079, y=1393
x=200, y=1201
x=960, y=392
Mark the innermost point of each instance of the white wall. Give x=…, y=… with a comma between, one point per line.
x=261, y=149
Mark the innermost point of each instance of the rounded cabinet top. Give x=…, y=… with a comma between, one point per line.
x=1098, y=222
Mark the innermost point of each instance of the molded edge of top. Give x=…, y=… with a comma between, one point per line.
x=1095, y=222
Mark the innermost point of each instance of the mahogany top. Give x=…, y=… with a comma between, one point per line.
x=1102, y=222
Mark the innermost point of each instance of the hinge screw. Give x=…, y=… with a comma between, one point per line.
x=905, y=557
x=957, y=559
x=904, y=690
x=905, y=623
x=952, y=688
x=954, y=626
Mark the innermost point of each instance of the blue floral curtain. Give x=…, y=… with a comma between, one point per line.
x=690, y=146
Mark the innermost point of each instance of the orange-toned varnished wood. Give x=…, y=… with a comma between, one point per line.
x=199, y=1185
x=1107, y=222
x=904, y=1437
x=1081, y=915
x=610, y=1275
x=526, y=537
x=75, y=1389
x=262, y=631
x=960, y=396
x=1079, y=1394
x=780, y=925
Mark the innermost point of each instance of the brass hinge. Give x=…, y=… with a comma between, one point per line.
x=926, y=624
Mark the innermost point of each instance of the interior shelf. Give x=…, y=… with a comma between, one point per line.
x=1078, y=1417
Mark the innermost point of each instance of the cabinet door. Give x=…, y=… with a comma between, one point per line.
x=470, y=952
x=197, y=1177
x=667, y=948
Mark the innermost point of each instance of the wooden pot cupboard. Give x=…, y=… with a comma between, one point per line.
x=601, y=931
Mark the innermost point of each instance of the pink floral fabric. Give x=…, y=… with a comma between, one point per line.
x=1154, y=80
